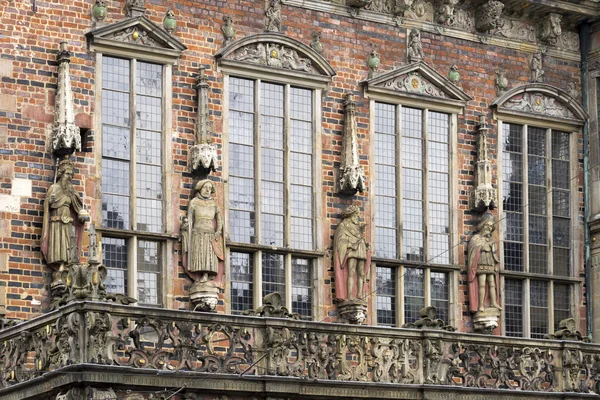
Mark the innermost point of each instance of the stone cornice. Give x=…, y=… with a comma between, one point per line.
x=436, y=29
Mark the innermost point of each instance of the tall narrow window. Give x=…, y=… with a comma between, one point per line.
x=132, y=176
x=412, y=215
x=271, y=191
x=536, y=182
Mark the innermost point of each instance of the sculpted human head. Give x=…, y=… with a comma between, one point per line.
x=205, y=188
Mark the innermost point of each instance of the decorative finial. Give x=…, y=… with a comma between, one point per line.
x=228, y=30
x=203, y=155
x=453, y=75
x=316, y=42
x=99, y=11
x=135, y=8
x=169, y=22
x=373, y=62
x=352, y=175
x=501, y=82
x=65, y=135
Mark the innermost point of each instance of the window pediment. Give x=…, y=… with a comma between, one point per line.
x=416, y=81
x=275, y=55
x=541, y=101
x=136, y=36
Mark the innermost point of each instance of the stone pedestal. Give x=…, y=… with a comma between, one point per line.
x=204, y=296
x=352, y=311
x=486, y=321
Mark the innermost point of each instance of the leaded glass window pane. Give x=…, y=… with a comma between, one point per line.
x=114, y=258
x=513, y=313
x=439, y=294
x=414, y=294
x=562, y=303
x=539, y=309
x=512, y=190
x=148, y=276
x=273, y=273
x=386, y=296
x=242, y=287
x=302, y=287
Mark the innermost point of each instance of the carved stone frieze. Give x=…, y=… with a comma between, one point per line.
x=432, y=355
x=449, y=15
x=273, y=55
x=352, y=175
x=87, y=393
x=514, y=29
x=394, y=361
x=538, y=103
x=413, y=82
x=549, y=30
x=419, y=10
x=487, y=15
x=66, y=138
x=136, y=35
x=569, y=41
x=382, y=6
x=178, y=345
x=499, y=367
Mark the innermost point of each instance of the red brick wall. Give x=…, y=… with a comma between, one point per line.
x=28, y=68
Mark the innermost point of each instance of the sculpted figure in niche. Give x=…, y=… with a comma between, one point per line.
x=63, y=209
x=352, y=258
x=205, y=246
x=415, y=48
x=273, y=16
x=483, y=263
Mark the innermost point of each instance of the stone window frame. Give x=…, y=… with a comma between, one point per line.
x=573, y=126
x=165, y=51
x=318, y=84
x=452, y=104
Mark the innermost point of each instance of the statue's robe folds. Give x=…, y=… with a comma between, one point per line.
x=475, y=253
x=349, y=243
x=61, y=210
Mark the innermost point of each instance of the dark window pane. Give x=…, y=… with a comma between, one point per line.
x=302, y=287
x=114, y=258
x=414, y=294
x=513, y=307
x=539, y=309
x=386, y=296
x=273, y=274
x=562, y=303
x=242, y=273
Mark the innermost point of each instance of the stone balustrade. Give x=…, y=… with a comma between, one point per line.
x=139, y=338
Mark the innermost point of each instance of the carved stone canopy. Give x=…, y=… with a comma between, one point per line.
x=139, y=36
x=275, y=54
x=417, y=81
x=542, y=101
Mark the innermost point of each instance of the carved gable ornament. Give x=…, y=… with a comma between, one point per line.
x=540, y=100
x=137, y=36
x=419, y=82
x=276, y=55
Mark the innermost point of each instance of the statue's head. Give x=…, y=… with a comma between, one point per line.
x=65, y=168
x=351, y=212
x=487, y=224
x=205, y=188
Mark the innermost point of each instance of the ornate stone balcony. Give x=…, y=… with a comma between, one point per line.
x=125, y=347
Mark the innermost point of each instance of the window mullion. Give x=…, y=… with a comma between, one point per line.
x=288, y=281
x=132, y=156
x=427, y=256
x=549, y=210
x=400, y=296
x=258, y=281
x=526, y=308
x=257, y=173
x=551, y=306
x=525, y=210
x=286, y=171
x=427, y=286
x=132, y=278
x=399, y=214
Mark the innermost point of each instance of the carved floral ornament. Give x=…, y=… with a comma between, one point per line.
x=417, y=79
x=274, y=51
x=541, y=100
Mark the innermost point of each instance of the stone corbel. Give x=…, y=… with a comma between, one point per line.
x=488, y=16
x=483, y=197
x=65, y=134
x=352, y=175
x=203, y=156
x=549, y=30
x=356, y=5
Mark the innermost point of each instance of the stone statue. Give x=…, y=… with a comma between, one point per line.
x=273, y=16
x=483, y=264
x=537, y=71
x=63, y=209
x=205, y=246
x=415, y=48
x=352, y=258
x=228, y=30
